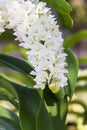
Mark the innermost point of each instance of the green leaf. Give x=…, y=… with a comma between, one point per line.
x=17, y=77
x=7, y=92
x=4, y=125
x=8, y=119
x=16, y=64
x=63, y=9
x=82, y=60
x=5, y=96
x=29, y=101
x=6, y=85
x=52, y=112
x=61, y=102
x=72, y=71
x=24, y=79
x=20, y=66
x=73, y=39
x=51, y=109
x=65, y=20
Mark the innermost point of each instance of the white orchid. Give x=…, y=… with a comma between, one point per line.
x=37, y=30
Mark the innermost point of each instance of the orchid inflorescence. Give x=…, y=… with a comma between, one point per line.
x=37, y=30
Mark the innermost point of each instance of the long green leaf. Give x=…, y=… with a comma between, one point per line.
x=66, y=20
x=17, y=77
x=4, y=125
x=29, y=101
x=72, y=67
x=15, y=63
x=61, y=103
x=9, y=124
x=51, y=113
x=63, y=9
x=73, y=39
x=5, y=97
x=5, y=92
x=29, y=104
x=10, y=118
x=24, y=79
x=6, y=85
x=72, y=71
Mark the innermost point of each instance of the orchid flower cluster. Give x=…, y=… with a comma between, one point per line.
x=37, y=30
